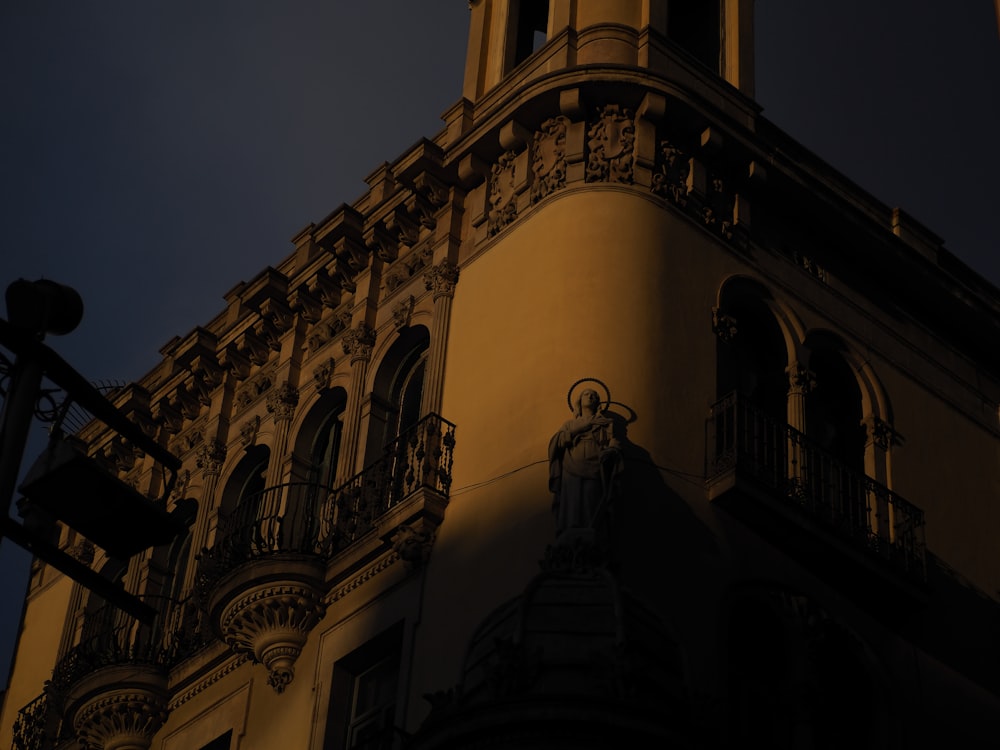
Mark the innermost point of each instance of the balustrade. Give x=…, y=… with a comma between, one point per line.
x=794, y=469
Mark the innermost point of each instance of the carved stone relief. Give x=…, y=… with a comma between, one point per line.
x=402, y=311
x=548, y=158
x=322, y=374
x=503, y=196
x=611, y=142
x=671, y=174
x=249, y=430
x=717, y=212
x=254, y=388
x=724, y=326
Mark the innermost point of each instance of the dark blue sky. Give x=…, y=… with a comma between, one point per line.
x=154, y=154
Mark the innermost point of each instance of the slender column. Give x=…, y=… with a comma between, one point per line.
x=440, y=279
x=281, y=403
x=800, y=382
x=210, y=458
x=358, y=343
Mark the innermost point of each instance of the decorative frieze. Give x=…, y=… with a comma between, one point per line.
x=548, y=158
x=611, y=143
x=810, y=266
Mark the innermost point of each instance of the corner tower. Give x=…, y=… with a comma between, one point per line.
x=718, y=34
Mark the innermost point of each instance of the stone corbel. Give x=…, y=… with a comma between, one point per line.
x=253, y=347
x=232, y=360
x=434, y=190
x=326, y=289
x=268, y=333
x=400, y=223
x=305, y=304
x=185, y=402
x=420, y=209
x=167, y=416
x=383, y=243
x=278, y=313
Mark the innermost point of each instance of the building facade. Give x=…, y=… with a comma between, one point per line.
x=762, y=406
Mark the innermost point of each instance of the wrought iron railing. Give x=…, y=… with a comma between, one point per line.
x=312, y=519
x=111, y=637
x=37, y=725
x=794, y=469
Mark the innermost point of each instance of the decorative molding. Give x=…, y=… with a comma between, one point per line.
x=441, y=279
x=358, y=342
x=380, y=565
x=83, y=551
x=282, y=400
x=229, y=667
x=503, y=194
x=548, y=158
x=611, y=142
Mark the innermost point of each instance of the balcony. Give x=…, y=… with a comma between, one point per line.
x=276, y=555
x=808, y=501
x=112, y=686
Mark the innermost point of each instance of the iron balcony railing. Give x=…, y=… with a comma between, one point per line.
x=112, y=637
x=854, y=507
x=37, y=725
x=312, y=519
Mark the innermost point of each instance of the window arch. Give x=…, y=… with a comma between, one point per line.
x=397, y=392
x=318, y=441
x=246, y=519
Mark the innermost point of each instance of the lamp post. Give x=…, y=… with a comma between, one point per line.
x=111, y=513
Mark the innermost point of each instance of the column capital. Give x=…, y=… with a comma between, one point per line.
x=211, y=455
x=801, y=379
x=441, y=279
x=282, y=400
x=358, y=342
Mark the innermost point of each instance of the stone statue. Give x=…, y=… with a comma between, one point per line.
x=584, y=462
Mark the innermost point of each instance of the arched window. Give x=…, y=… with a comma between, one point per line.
x=399, y=387
x=317, y=444
x=246, y=515
x=752, y=359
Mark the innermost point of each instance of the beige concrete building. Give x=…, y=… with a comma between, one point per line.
x=763, y=404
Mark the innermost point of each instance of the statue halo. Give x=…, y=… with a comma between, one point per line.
x=607, y=393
